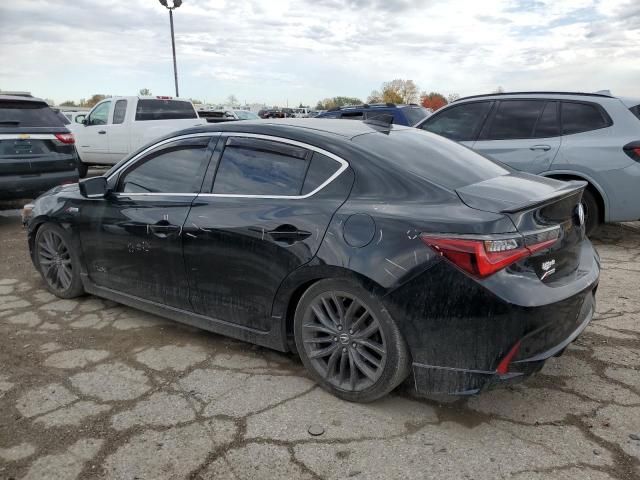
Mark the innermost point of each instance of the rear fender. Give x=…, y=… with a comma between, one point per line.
x=573, y=175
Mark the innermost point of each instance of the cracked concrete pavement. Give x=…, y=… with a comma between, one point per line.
x=92, y=389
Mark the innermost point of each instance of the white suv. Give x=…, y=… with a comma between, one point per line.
x=591, y=137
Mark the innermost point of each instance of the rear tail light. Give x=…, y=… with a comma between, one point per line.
x=484, y=256
x=633, y=150
x=65, y=138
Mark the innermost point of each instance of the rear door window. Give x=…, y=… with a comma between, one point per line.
x=20, y=114
x=251, y=166
x=158, y=109
x=636, y=111
x=320, y=170
x=119, y=111
x=352, y=115
x=580, y=117
x=460, y=122
x=515, y=119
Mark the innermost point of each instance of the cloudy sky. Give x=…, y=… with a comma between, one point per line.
x=276, y=51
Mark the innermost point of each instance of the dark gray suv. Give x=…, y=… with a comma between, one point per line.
x=568, y=136
x=37, y=151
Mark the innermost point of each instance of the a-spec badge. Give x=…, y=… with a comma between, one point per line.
x=24, y=136
x=549, y=268
x=580, y=214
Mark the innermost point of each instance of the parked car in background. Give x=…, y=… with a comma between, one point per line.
x=408, y=115
x=568, y=136
x=375, y=251
x=271, y=113
x=225, y=115
x=118, y=126
x=37, y=151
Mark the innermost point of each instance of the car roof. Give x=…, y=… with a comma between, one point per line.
x=541, y=94
x=346, y=129
x=20, y=98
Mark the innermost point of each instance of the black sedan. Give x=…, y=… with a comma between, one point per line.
x=375, y=251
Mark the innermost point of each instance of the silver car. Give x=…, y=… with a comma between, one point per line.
x=591, y=137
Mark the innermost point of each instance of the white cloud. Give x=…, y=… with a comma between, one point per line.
x=303, y=50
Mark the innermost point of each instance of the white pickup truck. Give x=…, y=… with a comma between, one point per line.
x=118, y=126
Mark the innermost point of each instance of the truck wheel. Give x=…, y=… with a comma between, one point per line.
x=83, y=169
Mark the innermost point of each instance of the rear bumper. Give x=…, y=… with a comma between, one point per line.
x=459, y=329
x=32, y=185
x=461, y=381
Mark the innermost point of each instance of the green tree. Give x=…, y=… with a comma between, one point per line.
x=335, y=102
x=68, y=103
x=145, y=92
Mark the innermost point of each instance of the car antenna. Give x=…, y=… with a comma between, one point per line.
x=383, y=119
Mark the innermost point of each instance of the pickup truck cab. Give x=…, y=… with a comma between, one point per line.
x=117, y=126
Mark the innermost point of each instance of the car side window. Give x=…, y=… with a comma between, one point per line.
x=460, y=122
x=515, y=119
x=119, y=111
x=100, y=115
x=548, y=124
x=320, y=170
x=335, y=114
x=352, y=115
x=581, y=117
x=250, y=166
x=174, y=170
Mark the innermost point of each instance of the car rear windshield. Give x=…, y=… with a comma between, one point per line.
x=432, y=157
x=20, y=114
x=636, y=111
x=157, y=109
x=415, y=114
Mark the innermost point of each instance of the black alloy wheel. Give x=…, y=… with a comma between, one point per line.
x=56, y=262
x=349, y=342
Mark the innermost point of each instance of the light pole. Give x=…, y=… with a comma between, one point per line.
x=171, y=5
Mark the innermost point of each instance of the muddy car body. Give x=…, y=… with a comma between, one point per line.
x=377, y=252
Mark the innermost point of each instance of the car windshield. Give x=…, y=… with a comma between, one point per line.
x=16, y=113
x=432, y=157
x=415, y=114
x=246, y=115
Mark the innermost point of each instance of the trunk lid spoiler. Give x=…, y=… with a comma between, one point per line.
x=516, y=192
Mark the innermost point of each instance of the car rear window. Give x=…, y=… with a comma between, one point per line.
x=582, y=117
x=636, y=111
x=20, y=114
x=157, y=109
x=415, y=114
x=432, y=157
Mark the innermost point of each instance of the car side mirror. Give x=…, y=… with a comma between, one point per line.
x=85, y=121
x=94, y=187
x=81, y=119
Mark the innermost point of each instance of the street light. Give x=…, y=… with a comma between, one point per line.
x=171, y=5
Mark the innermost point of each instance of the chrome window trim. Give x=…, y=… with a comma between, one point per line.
x=159, y=144
x=343, y=166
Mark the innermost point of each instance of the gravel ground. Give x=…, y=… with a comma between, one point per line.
x=91, y=389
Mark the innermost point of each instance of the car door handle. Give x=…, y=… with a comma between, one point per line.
x=546, y=148
x=102, y=132
x=163, y=230
x=288, y=234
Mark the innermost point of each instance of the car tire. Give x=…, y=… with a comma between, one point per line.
x=591, y=212
x=360, y=354
x=57, y=261
x=83, y=169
